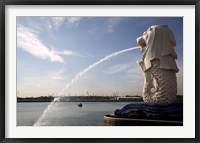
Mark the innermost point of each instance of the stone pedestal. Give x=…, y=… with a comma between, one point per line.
x=142, y=114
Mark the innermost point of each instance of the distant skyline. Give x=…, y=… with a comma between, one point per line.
x=52, y=50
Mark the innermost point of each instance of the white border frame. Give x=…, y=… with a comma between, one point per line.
x=186, y=131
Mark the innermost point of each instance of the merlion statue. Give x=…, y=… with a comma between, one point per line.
x=160, y=106
x=158, y=64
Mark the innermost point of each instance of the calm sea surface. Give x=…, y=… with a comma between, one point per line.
x=66, y=113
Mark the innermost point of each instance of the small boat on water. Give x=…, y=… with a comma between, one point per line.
x=80, y=105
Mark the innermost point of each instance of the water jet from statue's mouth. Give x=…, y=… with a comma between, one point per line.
x=76, y=78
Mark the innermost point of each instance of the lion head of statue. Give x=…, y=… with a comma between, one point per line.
x=158, y=42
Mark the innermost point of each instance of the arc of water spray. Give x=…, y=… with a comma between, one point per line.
x=76, y=78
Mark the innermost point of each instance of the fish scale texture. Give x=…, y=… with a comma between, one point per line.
x=166, y=83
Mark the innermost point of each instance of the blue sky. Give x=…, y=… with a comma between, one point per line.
x=52, y=50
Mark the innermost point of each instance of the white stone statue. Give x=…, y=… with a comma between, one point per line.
x=158, y=64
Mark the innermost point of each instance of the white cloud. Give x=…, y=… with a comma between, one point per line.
x=129, y=68
x=49, y=25
x=67, y=53
x=28, y=40
x=112, y=22
x=58, y=75
x=58, y=21
x=73, y=19
x=93, y=30
x=135, y=74
x=117, y=68
x=135, y=70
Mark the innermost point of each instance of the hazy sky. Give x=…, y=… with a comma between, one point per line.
x=52, y=50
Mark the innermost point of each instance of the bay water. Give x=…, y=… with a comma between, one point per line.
x=66, y=113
